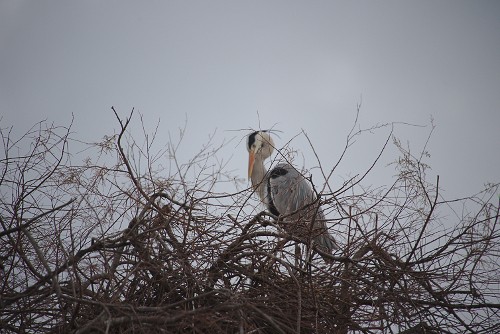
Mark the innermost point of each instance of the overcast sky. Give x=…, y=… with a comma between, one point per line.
x=227, y=65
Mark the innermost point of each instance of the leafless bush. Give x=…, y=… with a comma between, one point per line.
x=123, y=243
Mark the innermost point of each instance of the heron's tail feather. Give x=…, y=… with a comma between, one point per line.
x=327, y=244
x=323, y=239
x=326, y=241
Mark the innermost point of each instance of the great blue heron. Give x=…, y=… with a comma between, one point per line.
x=286, y=192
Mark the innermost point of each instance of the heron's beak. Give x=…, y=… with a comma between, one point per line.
x=251, y=160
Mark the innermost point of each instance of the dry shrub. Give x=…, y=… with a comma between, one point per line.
x=123, y=244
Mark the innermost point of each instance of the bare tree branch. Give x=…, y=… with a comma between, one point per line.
x=133, y=239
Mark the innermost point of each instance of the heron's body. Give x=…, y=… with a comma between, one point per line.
x=287, y=193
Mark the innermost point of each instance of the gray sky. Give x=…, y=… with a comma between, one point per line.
x=300, y=65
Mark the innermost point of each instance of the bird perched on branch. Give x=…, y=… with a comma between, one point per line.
x=287, y=193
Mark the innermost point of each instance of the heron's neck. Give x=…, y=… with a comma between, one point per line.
x=258, y=174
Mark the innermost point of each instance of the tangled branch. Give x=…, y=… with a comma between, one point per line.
x=122, y=245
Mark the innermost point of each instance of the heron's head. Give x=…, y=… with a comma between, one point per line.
x=260, y=145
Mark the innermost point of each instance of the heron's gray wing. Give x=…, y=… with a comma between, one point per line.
x=291, y=193
x=289, y=190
